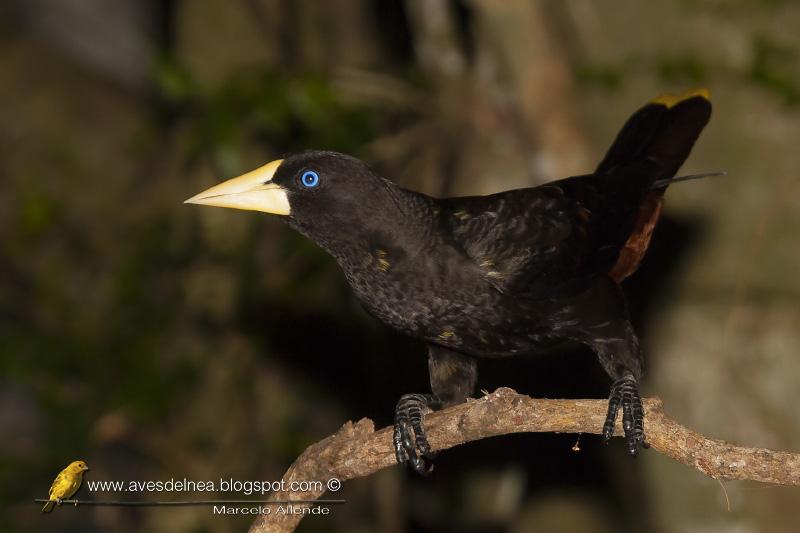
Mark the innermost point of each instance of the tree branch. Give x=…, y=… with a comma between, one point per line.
x=357, y=450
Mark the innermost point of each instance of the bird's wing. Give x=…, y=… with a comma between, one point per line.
x=522, y=240
x=59, y=483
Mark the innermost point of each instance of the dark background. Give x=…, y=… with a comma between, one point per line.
x=155, y=340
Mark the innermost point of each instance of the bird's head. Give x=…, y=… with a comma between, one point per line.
x=327, y=196
x=77, y=467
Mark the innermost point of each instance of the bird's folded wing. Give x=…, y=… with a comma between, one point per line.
x=522, y=240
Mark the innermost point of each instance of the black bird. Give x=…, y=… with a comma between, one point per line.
x=491, y=276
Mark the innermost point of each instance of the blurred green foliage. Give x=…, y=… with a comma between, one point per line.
x=682, y=68
x=600, y=75
x=288, y=111
x=776, y=68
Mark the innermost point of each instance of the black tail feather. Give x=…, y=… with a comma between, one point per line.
x=662, y=132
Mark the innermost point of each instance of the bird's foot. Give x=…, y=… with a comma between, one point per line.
x=410, y=442
x=58, y=501
x=625, y=392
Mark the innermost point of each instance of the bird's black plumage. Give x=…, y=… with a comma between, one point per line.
x=497, y=275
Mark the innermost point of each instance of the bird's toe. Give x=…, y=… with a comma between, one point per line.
x=625, y=393
x=411, y=444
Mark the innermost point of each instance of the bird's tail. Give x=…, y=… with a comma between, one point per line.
x=660, y=133
x=48, y=506
x=642, y=162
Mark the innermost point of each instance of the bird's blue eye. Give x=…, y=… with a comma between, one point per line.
x=310, y=179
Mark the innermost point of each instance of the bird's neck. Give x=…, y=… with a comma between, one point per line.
x=399, y=227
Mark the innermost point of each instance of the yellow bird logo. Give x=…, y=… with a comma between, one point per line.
x=67, y=483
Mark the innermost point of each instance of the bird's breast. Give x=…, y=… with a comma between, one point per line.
x=436, y=301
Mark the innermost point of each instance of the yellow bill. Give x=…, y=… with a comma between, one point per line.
x=253, y=191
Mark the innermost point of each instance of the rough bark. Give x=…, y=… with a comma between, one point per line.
x=357, y=450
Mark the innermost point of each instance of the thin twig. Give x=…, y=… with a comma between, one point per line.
x=357, y=450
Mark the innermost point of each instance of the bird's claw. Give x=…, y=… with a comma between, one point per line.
x=625, y=392
x=411, y=444
x=58, y=501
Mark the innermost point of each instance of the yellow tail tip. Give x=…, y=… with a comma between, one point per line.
x=670, y=100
